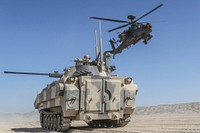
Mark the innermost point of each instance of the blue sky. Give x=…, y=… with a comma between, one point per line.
x=46, y=35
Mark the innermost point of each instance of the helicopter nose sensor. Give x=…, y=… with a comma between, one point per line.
x=131, y=17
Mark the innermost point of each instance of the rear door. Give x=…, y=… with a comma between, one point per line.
x=93, y=93
x=112, y=94
x=102, y=95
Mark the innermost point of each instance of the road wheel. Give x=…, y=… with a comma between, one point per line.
x=58, y=122
x=48, y=122
x=45, y=122
x=54, y=123
x=51, y=122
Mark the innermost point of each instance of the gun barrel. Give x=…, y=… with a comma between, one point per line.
x=56, y=75
x=28, y=73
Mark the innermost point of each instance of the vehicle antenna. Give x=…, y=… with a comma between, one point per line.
x=96, y=47
x=100, y=42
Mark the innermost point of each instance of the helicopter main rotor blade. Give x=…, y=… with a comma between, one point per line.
x=148, y=13
x=108, y=19
x=119, y=27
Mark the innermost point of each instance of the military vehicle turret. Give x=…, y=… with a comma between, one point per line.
x=87, y=91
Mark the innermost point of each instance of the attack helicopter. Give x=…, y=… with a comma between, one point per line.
x=136, y=32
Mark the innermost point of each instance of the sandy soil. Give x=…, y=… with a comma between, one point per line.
x=179, y=118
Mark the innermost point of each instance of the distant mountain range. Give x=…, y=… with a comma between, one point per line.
x=169, y=108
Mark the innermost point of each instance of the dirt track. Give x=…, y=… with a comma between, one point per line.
x=185, y=121
x=159, y=123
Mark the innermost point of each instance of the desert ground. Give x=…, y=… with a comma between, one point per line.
x=176, y=118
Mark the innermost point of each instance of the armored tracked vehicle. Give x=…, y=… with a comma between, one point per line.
x=87, y=91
